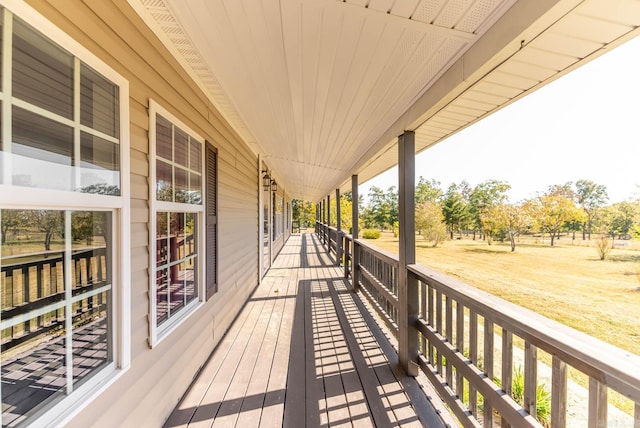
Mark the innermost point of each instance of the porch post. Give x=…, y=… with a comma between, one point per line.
x=339, y=232
x=407, y=286
x=328, y=233
x=355, y=260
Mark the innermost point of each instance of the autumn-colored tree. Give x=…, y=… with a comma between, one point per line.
x=513, y=220
x=483, y=197
x=590, y=197
x=430, y=222
x=552, y=210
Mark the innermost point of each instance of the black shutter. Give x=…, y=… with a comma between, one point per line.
x=211, y=208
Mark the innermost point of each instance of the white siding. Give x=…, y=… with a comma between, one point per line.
x=158, y=377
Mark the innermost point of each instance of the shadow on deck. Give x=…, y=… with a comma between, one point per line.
x=304, y=351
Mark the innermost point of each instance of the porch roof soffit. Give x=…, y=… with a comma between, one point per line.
x=321, y=88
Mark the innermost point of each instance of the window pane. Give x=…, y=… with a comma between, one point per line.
x=195, y=155
x=33, y=374
x=42, y=72
x=176, y=237
x=99, y=104
x=162, y=301
x=91, y=273
x=195, y=189
x=181, y=188
x=190, y=279
x=177, y=293
x=190, y=234
x=162, y=239
x=42, y=151
x=181, y=145
x=164, y=182
x=163, y=138
x=100, y=165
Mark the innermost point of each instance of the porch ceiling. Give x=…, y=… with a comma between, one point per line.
x=321, y=88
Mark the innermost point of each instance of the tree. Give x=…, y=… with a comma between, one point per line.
x=304, y=212
x=590, y=197
x=619, y=219
x=454, y=209
x=483, y=197
x=49, y=222
x=430, y=222
x=382, y=210
x=345, y=211
x=509, y=219
x=10, y=219
x=427, y=190
x=552, y=210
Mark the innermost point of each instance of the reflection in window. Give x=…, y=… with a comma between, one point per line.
x=46, y=150
x=46, y=287
x=176, y=263
x=178, y=164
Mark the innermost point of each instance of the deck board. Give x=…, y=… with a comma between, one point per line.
x=301, y=353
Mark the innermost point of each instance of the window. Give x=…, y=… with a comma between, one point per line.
x=178, y=217
x=64, y=215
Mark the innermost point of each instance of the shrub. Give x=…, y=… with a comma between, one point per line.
x=543, y=397
x=603, y=245
x=371, y=234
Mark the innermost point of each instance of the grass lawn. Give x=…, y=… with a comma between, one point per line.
x=567, y=283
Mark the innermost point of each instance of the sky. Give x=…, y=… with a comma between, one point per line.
x=585, y=125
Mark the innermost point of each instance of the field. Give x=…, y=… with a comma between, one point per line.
x=567, y=283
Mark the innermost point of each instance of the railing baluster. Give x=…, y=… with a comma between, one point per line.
x=423, y=313
x=439, y=328
x=558, y=393
x=507, y=366
x=597, y=404
x=636, y=417
x=473, y=356
x=449, y=335
x=488, y=369
x=431, y=317
x=530, y=378
x=459, y=346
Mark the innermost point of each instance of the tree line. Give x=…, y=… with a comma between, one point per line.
x=484, y=212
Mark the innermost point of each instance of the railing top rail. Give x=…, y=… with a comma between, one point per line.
x=612, y=366
x=387, y=256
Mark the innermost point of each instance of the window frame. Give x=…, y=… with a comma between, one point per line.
x=157, y=333
x=18, y=197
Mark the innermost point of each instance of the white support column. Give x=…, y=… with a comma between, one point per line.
x=407, y=287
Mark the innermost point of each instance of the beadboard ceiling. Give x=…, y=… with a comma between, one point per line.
x=321, y=88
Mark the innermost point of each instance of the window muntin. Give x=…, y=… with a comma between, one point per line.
x=56, y=273
x=177, y=218
x=65, y=126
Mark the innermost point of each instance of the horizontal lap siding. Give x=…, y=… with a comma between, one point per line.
x=148, y=391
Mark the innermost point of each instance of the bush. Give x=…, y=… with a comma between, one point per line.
x=543, y=397
x=371, y=234
x=603, y=245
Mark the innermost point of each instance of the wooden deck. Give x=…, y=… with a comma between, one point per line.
x=303, y=352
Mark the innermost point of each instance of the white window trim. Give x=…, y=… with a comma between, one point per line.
x=158, y=333
x=22, y=197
